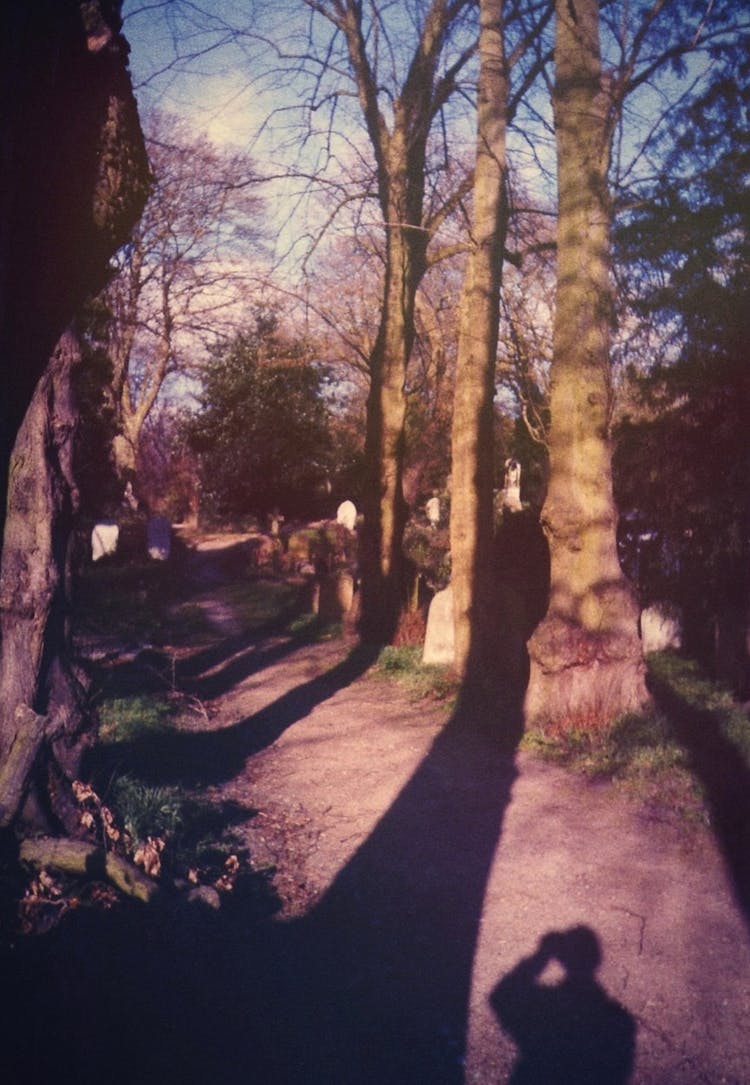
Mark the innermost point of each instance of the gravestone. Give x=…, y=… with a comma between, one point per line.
x=512, y=490
x=661, y=628
x=346, y=514
x=432, y=510
x=158, y=538
x=333, y=596
x=104, y=538
x=439, y=643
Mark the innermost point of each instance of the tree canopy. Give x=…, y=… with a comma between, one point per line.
x=263, y=433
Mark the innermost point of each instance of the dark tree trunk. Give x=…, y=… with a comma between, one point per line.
x=74, y=180
x=40, y=694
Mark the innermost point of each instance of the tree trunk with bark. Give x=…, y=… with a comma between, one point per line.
x=75, y=181
x=39, y=689
x=472, y=471
x=384, y=505
x=398, y=137
x=586, y=659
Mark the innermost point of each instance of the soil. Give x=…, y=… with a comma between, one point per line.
x=446, y=911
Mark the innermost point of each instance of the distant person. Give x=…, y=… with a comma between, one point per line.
x=568, y=1032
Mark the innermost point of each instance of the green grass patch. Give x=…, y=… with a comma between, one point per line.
x=127, y=719
x=685, y=678
x=637, y=752
x=144, y=810
x=255, y=603
x=420, y=681
x=642, y=752
x=137, y=603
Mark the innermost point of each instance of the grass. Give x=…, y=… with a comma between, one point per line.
x=136, y=603
x=420, y=681
x=641, y=752
x=127, y=719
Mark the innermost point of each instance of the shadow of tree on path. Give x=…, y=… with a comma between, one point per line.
x=725, y=777
x=372, y=986
x=210, y=757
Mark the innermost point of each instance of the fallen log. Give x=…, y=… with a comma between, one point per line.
x=82, y=857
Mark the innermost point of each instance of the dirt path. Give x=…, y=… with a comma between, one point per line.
x=420, y=869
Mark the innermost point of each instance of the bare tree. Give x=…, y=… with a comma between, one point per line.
x=398, y=119
x=471, y=524
x=183, y=275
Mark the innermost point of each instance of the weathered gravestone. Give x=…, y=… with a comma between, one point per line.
x=439, y=644
x=432, y=510
x=512, y=491
x=158, y=538
x=104, y=537
x=333, y=596
x=346, y=514
x=661, y=628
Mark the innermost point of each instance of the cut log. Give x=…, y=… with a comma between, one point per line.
x=82, y=857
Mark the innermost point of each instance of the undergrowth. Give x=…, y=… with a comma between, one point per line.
x=643, y=753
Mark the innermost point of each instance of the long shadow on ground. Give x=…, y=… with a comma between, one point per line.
x=372, y=986
x=725, y=776
x=215, y=756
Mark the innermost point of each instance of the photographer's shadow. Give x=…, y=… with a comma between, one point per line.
x=567, y=1029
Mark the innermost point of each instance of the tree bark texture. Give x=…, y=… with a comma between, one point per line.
x=384, y=505
x=38, y=691
x=472, y=470
x=74, y=179
x=586, y=660
x=399, y=145
x=74, y=182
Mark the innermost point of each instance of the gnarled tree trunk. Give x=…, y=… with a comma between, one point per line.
x=38, y=688
x=586, y=660
x=74, y=182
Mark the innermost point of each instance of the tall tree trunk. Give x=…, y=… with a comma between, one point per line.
x=40, y=705
x=472, y=471
x=586, y=660
x=74, y=182
x=384, y=505
x=402, y=193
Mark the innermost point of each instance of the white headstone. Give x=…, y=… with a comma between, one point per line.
x=346, y=514
x=104, y=538
x=158, y=538
x=512, y=491
x=661, y=628
x=439, y=643
x=432, y=510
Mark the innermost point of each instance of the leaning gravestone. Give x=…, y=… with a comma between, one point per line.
x=104, y=538
x=346, y=514
x=661, y=628
x=158, y=538
x=439, y=645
